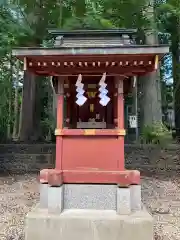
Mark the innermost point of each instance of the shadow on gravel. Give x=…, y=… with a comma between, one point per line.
x=161, y=176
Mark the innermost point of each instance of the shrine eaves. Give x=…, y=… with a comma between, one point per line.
x=92, y=52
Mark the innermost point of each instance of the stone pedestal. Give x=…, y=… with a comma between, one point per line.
x=124, y=200
x=89, y=212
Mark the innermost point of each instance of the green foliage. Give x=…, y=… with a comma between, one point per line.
x=88, y=22
x=169, y=22
x=47, y=43
x=25, y=23
x=128, y=14
x=47, y=126
x=156, y=134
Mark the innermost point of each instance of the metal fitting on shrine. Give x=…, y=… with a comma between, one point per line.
x=121, y=132
x=90, y=132
x=58, y=132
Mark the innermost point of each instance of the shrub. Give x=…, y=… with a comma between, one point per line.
x=157, y=133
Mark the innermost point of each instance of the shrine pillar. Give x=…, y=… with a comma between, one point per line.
x=120, y=120
x=128, y=192
x=60, y=120
x=51, y=180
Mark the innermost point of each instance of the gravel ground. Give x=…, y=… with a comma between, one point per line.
x=161, y=195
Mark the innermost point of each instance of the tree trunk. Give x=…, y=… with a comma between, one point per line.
x=175, y=39
x=20, y=120
x=28, y=101
x=15, y=125
x=80, y=8
x=150, y=84
x=150, y=99
x=38, y=105
x=30, y=109
x=10, y=101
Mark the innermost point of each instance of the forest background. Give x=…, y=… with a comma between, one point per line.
x=26, y=105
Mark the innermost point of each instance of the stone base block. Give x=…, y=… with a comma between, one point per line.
x=44, y=195
x=75, y=224
x=123, y=201
x=55, y=199
x=91, y=196
x=135, y=196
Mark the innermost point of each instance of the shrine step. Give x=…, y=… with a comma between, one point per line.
x=75, y=224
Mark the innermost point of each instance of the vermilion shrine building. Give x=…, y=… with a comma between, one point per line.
x=90, y=171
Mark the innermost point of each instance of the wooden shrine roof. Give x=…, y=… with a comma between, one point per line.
x=91, y=38
x=92, y=52
x=124, y=59
x=95, y=50
x=92, y=32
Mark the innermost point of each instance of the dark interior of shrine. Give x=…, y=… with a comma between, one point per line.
x=91, y=114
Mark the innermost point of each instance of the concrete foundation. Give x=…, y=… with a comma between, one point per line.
x=75, y=224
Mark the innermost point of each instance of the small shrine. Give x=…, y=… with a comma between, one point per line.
x=91, y=73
